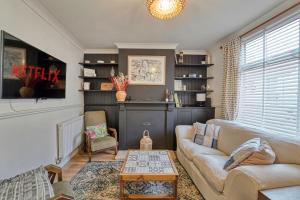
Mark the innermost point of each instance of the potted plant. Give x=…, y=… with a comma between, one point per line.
x=121, y=83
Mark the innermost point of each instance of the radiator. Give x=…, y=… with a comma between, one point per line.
x=69, y=137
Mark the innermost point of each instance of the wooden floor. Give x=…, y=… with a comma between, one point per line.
x=80, y=159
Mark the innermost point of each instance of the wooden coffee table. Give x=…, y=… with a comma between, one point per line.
x=146, y=166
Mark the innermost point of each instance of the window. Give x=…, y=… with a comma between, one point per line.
x=270, y=77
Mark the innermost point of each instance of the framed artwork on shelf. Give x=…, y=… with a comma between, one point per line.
x=147, y=70
x=106, y=86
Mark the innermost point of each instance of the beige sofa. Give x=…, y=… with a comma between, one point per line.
x=205, y=165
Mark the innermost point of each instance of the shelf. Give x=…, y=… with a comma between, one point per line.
x=98, y=64
x=193, y=91
x=191, y=78
x=194, y=106
x=193, y=65
x=97, y=90
x=145, y=102
x=102, y=104
x=96, y=77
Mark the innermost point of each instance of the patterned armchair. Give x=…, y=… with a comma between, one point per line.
x=37, y=184
x=93, y=118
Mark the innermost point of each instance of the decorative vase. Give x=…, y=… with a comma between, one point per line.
x=121, y=95
x=26, y=92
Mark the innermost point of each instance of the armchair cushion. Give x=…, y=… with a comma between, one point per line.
x=103, y=143
x=98, y=131
x=31, y=185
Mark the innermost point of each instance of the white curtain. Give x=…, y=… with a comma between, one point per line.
x=231, y=53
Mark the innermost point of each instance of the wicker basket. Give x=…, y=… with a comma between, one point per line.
x=146, y=142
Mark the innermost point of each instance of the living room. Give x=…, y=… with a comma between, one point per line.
x=150, y=99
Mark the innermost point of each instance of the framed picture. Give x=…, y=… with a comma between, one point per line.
x=147, y=70
x=13, y=56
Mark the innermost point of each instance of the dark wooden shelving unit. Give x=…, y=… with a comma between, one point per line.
x=192, y=78
x=192, y=65
x=193, y=91
x=107, y=104
x=96, y=77
x=96, y=99
x=97, y=90
x=99, y=64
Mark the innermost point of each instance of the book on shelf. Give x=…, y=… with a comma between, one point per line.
x=178, y=84
x=89, y=72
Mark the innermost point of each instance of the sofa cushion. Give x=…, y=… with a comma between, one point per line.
x=206, y=134
x=190, y=149
x=251, y=152
x=31, y=185
x=211, y=167
x=103, y=143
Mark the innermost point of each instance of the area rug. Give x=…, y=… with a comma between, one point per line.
x=100, y=180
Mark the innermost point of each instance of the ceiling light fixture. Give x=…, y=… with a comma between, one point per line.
x=165, y=9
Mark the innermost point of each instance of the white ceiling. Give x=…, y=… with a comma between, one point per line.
x=101, y=23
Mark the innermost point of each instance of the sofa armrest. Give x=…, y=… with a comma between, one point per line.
x=54, y=170
x=246, y=181
x=184, y=132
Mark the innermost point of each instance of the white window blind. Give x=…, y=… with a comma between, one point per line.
x=269, y=78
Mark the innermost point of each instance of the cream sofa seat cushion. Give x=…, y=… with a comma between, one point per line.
x=211, y=167
x=190, y=149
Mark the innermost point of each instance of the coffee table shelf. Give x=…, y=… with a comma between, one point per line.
x=143, y=166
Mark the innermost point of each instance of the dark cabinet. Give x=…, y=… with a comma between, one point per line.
x=184, y=116
x=138, y=121
x=187, y=116
x=157, y=118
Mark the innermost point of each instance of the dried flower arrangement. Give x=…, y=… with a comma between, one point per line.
x=120, y=82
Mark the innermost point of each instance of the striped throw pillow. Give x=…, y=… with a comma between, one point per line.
x=31, y=185
x=206, y=134
x=253, y=152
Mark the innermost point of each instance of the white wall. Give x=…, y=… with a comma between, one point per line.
x=27, y=128
x=217, y=56
x=216, y=84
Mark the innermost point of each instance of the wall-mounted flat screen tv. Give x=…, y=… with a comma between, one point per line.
x=29, y=73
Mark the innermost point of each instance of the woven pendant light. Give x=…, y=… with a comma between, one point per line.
x=165, y=9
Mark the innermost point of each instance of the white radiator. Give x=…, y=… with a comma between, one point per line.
x=69, y=137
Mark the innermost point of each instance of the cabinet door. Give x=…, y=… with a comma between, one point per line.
x=138, y=121
x=184, y=116
x=202, y=114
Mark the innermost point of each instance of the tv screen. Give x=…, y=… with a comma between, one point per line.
x=27, y=72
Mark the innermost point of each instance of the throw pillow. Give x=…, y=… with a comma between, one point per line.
x=31, y=185
x=97, y=131
x=253, y=152
x=206, y=134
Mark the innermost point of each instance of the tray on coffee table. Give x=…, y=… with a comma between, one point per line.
x=156, y=165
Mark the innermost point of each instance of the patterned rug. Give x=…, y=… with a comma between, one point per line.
x=100, y=180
